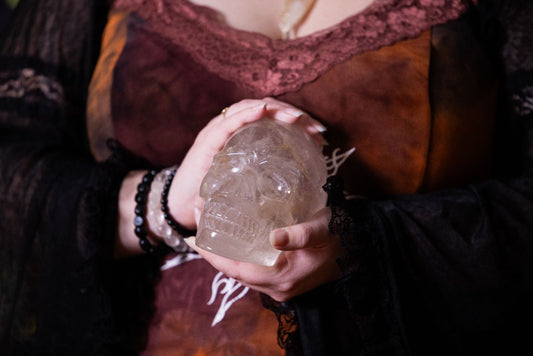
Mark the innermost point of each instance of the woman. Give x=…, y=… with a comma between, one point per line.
x=433, y=260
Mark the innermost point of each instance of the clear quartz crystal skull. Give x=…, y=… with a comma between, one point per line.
x=268, y=175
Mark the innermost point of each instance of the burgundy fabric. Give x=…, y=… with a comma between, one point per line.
x=267, y=67
x=388, y=87
x=182, y=324
x=457, y=262
x=179, y=66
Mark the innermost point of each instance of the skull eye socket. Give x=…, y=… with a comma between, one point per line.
x=242, y=186
x=225, y=177
x=277, y=185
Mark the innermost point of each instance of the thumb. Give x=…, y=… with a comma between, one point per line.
x=309, y=234
x=198, y=207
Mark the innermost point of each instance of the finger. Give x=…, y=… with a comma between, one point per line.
x=295, y=117
x=244, y=104
x=219, y=130
x=244, y=116
x=291, y=114
x=313, y=128
x=231, y=123
x=287, y=113
x=310, y=234
x=198, y=208
x=277, y=110
x=197, y=214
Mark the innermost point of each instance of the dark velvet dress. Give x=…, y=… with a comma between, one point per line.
x=435, y=96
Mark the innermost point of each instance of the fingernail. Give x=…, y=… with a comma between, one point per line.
x=321, y=128
x=260, y=107
x=191, y=241
x=279, y=238
x=196, y=210
x=294, y=112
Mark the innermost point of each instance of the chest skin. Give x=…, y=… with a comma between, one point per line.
x=262, y=16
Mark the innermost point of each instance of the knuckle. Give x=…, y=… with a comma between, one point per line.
x=301, y=234
x=280, y=297
x=285, y=288
x=202, y=134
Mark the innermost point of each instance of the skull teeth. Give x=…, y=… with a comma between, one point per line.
x=230, y=222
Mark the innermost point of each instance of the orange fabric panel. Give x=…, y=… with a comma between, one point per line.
x=99, y=123
x=383, y=111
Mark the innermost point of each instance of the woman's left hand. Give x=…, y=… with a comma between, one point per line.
x=308, y=260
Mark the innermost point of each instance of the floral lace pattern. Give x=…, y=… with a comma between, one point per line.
x=288, y=338
x=28, y=82
x=272, y=67
x=518, y=49
x=523, y=101
x=518, y=56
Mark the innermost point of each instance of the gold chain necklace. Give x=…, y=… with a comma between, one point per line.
x=293, y=13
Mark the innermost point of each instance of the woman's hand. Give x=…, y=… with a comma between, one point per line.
x=184, y=192
x=183, y=195
x=308, y=260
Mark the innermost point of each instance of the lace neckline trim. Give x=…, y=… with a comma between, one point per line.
x=270, y=67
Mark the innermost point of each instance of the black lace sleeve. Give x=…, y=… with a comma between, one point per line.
x=449, y=272
x=61, y=292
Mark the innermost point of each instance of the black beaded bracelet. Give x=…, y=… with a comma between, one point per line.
x=164, y=207
x=140, y=211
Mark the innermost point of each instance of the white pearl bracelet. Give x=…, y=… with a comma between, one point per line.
x=156, y=217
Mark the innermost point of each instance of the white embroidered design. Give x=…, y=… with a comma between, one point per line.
x=336, y=160
x=179, y=259
x=29, y=82
x=333, y=164
x=230, y=287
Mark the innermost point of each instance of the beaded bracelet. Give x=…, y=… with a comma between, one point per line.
x=164, y=206
x=140, y=211
x=156, y=217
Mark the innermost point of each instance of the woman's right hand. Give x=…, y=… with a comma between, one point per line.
x=184, y=192
x=184, y=196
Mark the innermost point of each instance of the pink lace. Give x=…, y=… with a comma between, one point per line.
x=269, y=67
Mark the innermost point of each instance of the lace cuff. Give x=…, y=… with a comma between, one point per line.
x=288, y=333
x=367, y=284
x=352, y=221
